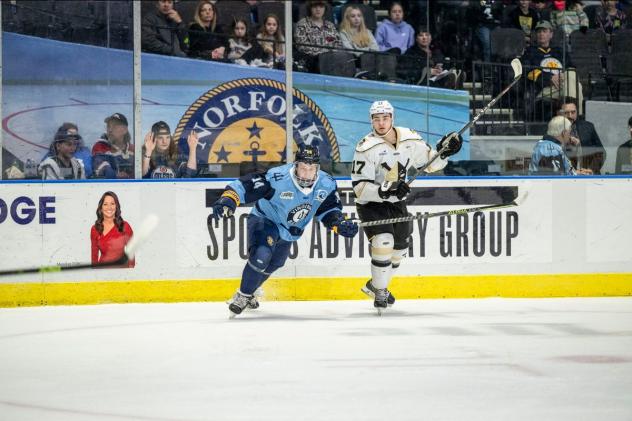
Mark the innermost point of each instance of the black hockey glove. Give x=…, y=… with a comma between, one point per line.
x=452, y=143
x=345, y=228
x=397, y=188
x=225, y=206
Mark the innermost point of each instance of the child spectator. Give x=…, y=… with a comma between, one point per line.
x=353, y=32
x=160, y=154
x=113, y=153
x=570, y=16
x=240, y=49
x=206, y=38
x=271, y=39
x=394, y=34
x=82, y=153
x=61, y=164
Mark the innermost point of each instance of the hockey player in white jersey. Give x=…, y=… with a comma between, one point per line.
x=380, y=166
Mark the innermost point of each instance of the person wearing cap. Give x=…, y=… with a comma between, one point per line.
x=548, y=71
x=312, y=32
x=113, y=153
x=61, y=164
x=160, y=154
x=82, y=153
x=163, y=31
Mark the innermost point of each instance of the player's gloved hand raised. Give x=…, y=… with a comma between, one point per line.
x=452, y=143
x=345, y=228
x=393, y=188
x=224, y=207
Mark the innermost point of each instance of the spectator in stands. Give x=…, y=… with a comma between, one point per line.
x=523, y=17
x=570, y=16
x=206, y=37
x=240, y=49
x=589, y=152
x=609, y=17
x=423, y=63
x=110, y=232
x=542, y=9
x=271, y=39
x=394, y=34
x=354, y=34
x=548, y=156
x=82, y=153
x=485, y=16
x=61, y=164
x=546, y=65
x=313, y=31
x=160, y=154
x=623, y=164
x=113, y=153
x=163, y=31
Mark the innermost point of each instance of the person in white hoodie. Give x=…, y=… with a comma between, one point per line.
x=61, y=164
x=394, y=34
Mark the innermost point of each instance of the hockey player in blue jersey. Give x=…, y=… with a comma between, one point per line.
x=286, y=199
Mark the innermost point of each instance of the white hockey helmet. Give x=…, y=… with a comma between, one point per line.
x=381, y=107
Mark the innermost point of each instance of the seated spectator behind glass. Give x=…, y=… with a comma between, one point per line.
x=240, y=49
x=160, y=154
x=110, y=232
x=623, y=164
x=569, y=15
x=423, y=63
x=82, y=154
x=61, y=164
x=524, y=18
x=163, y=31
x=271, y=39
x=609, y=17
x=394, y=34
x=315, y=31
x=113, y=153
x=485, y=16
x=353, y=32
x=549, y=80
x=548, y=156
x=588, y=151
x=206, y=37
x=542, y=9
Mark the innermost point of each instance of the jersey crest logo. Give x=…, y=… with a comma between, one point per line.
x=270, y=240
x=321, y=195
x=299, y=213
x=163, y=171
x=287, y=195
x=244, y=121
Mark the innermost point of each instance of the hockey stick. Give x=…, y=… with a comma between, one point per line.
x=517, y=69
x=516, y=202
x=137, y=240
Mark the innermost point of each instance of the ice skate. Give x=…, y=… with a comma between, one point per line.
x=253, y=303
x=239, y=303
x=381, y=300
x=369, y=290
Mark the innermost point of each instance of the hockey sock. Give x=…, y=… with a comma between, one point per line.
x=251, y=280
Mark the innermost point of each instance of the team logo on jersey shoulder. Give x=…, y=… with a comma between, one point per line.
x=299, y=213
x=270, y=240
x=287, y=195
x=321, y=195
x=243, y=120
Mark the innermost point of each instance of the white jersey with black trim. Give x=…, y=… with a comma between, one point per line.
x=375, y=160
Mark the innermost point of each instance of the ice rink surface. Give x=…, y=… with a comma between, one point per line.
x=484, y=359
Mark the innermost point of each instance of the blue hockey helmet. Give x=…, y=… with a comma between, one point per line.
x=307, y=154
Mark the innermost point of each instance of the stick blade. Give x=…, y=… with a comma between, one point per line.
x=141, y=235
x=516, y=65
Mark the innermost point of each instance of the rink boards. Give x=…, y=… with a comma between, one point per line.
x=570, y=237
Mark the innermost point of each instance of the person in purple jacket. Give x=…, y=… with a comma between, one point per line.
x=394, y=34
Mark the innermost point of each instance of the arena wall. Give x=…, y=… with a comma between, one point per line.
x=570, y=237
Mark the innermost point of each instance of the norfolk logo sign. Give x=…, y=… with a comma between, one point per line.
x=244, y=121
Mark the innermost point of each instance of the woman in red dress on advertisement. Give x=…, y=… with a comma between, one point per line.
x=110, y=233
